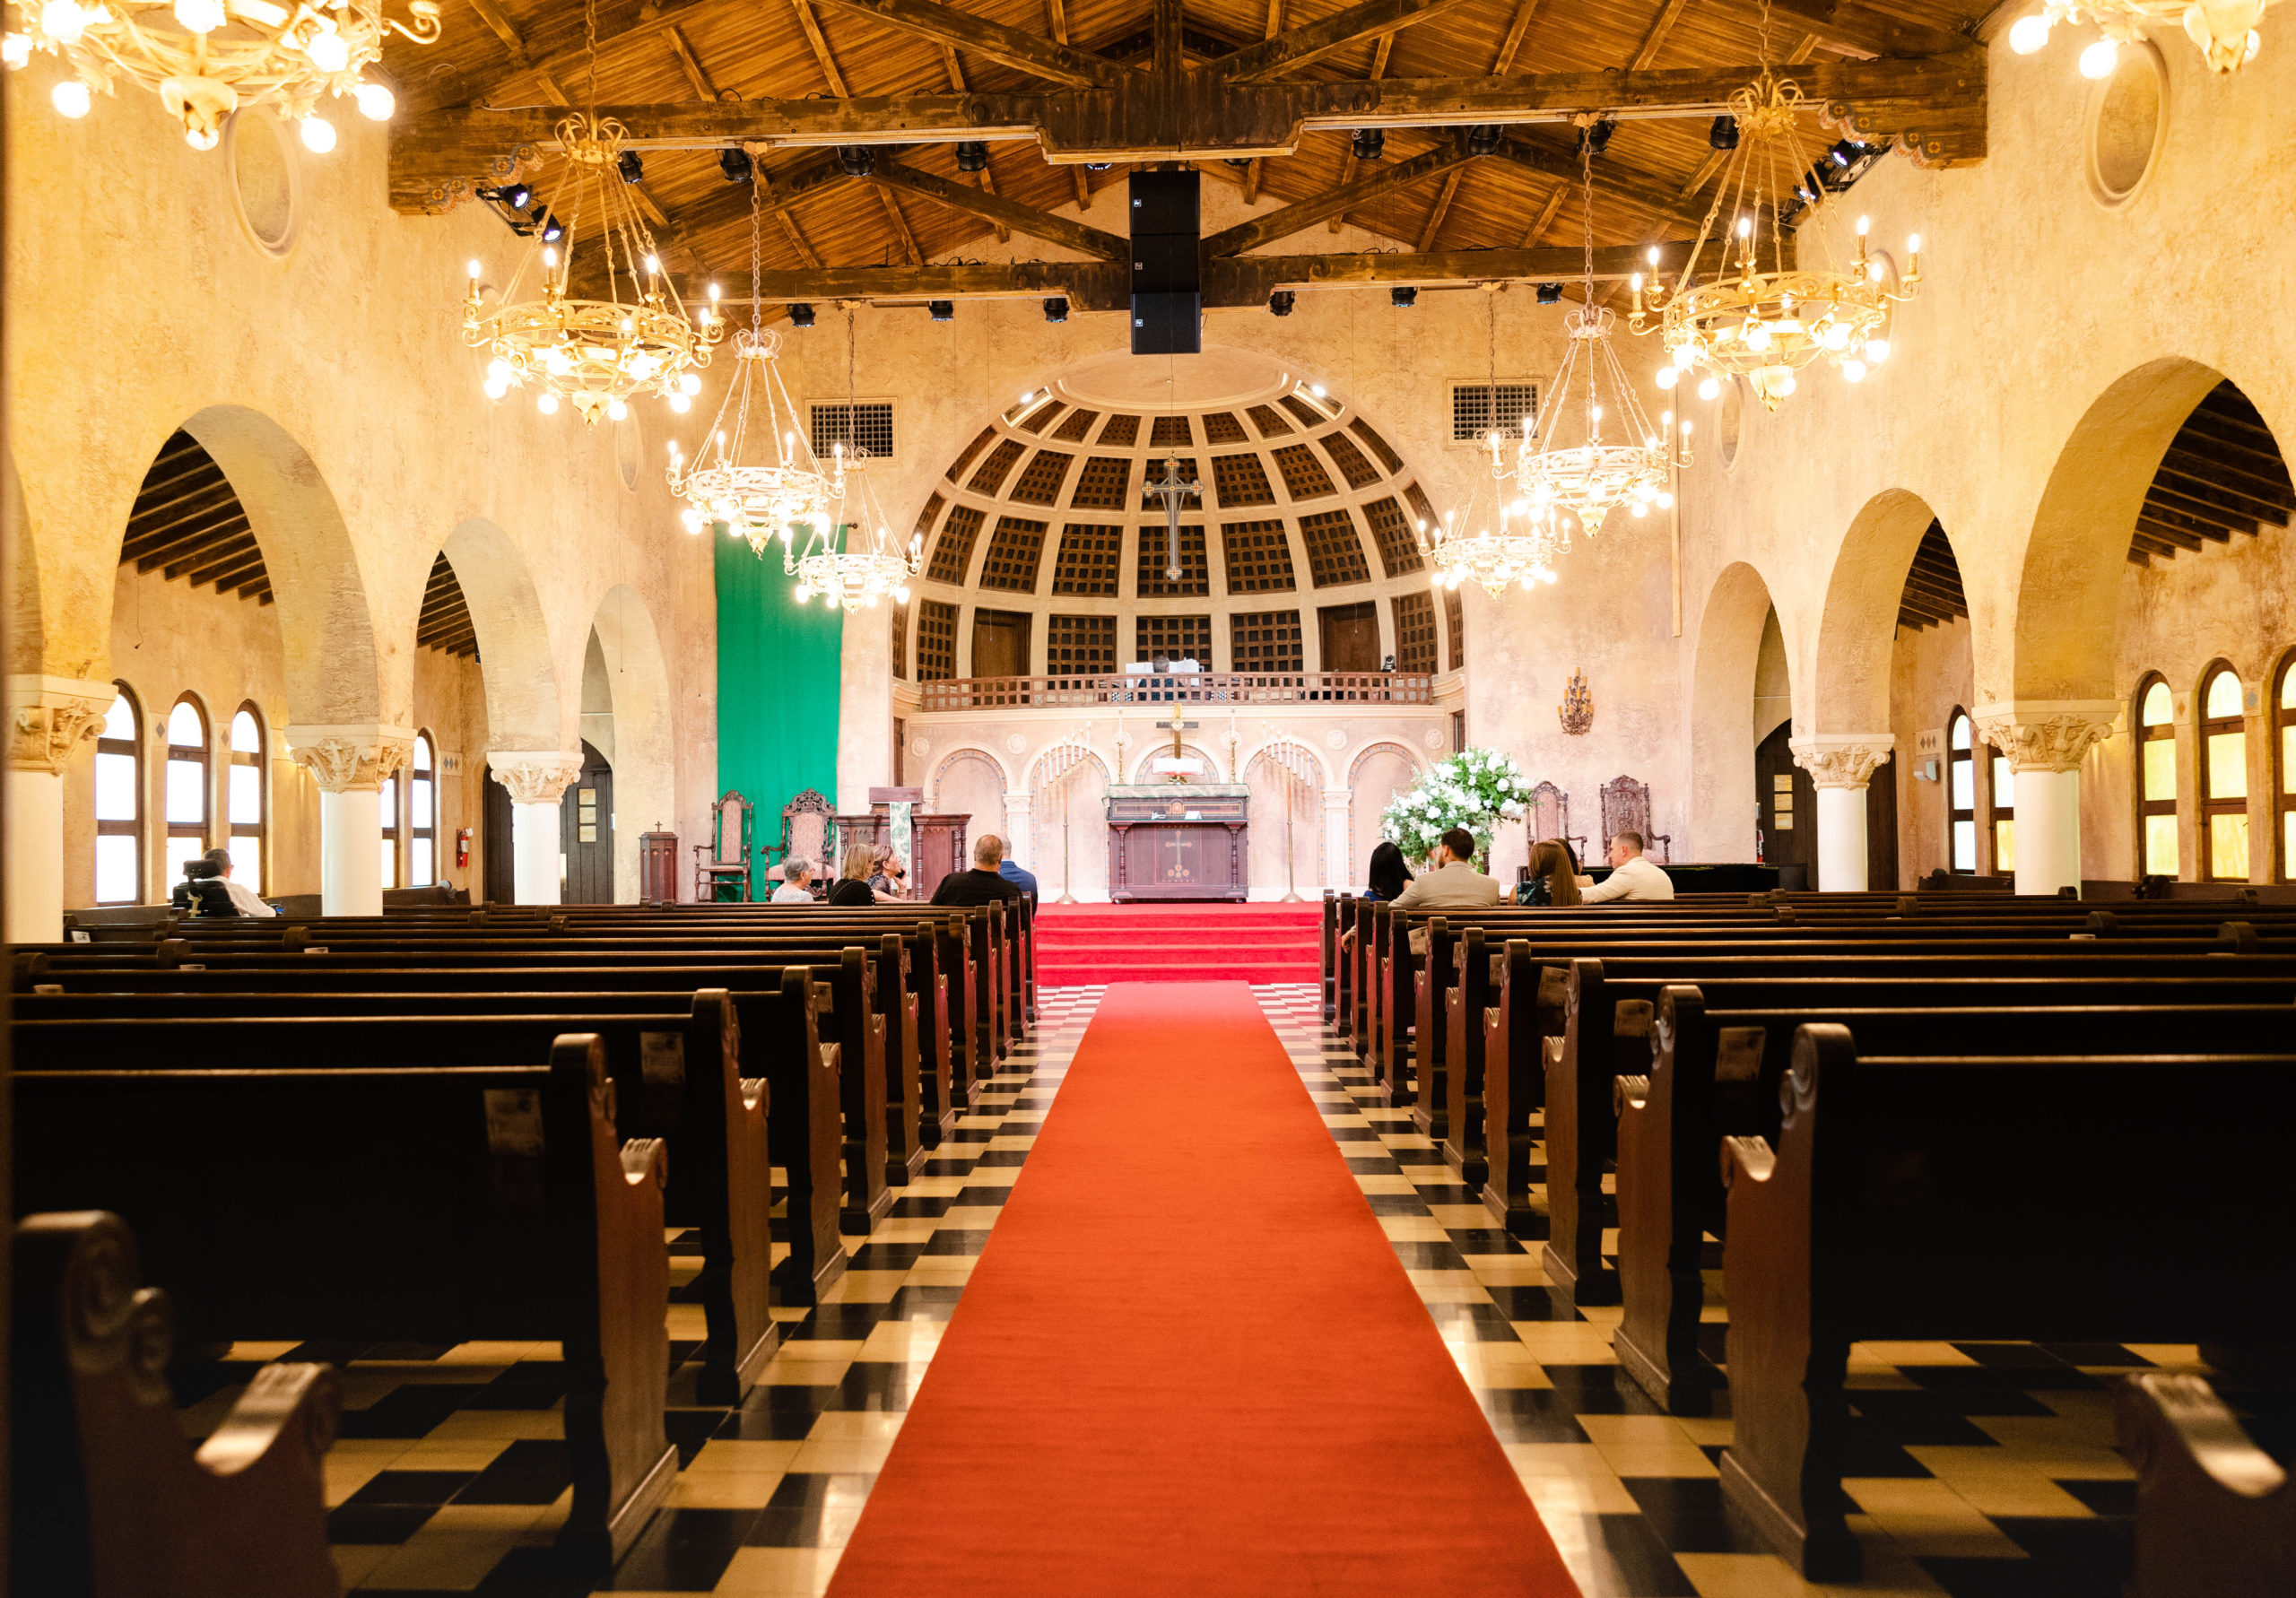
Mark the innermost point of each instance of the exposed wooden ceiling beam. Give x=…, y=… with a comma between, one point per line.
x=1655, y=40
x=1020, y=218
x=1277, y=224
x=691, y=62
x=439, y=160
x=1545, y=218
x=1441, y=208
x=1228, y=280
x=1379, y=70
x=1868, y=31
x=503, y=29
x=1014, y=46
x=1609, y=179
x=1296, y=47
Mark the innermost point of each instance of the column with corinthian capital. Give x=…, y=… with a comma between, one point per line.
x=1840, y=765
x=1339, y=871
x=351, y=763
x=537, y=780
x=2045, y=741
x=48, y=718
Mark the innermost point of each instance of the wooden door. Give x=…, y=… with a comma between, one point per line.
x=1881, y=827
x=495, y=821
x=585, y=833
x=1351, y=637
x=1000, y=644
x=1785, y=809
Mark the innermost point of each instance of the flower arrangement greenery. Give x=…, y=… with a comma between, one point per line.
x=1475, y=788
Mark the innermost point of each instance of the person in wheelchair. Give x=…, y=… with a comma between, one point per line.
x=207, y=889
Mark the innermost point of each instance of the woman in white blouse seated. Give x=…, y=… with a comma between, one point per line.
x=796, y=881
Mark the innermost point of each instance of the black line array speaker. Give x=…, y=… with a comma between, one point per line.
x=1166, y=239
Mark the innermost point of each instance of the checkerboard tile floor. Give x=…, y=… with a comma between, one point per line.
x=1986, y=1470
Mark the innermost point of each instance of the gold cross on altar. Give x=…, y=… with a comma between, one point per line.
x=1176, y=726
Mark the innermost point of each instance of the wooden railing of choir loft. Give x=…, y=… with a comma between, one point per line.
x=1180, y=687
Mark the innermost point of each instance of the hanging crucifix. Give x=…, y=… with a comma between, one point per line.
x=1171, y=488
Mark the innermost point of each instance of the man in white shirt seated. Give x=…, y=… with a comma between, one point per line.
x=206, y=873
x=1632, y=876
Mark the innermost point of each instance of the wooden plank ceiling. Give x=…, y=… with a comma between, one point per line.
x=445, y=623
x=1933, y=586
x=506, y=54
x=188, y=523
x=2224, y=473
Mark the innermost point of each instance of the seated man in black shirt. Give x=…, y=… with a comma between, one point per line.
x=981, y=885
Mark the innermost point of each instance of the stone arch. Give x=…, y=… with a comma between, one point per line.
x=1083, y=800
x=1722, y=719
x=1378, y=772
x=1849, y=680
x=335, y=676
x=27, y=631
x=1322, y=763
x=524, y=707
x=972, y=780
x=1212, y=762
x=1355, y=766
x=2069, y=588
x=628, y=650
x=1268, y=869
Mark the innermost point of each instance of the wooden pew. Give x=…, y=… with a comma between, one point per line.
x=1715, y=1074
x=2216, y=1515
x=2125, y=1198
x=423, y=1203
x=109, y=1500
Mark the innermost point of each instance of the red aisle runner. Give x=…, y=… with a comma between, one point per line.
x=1189, y=1361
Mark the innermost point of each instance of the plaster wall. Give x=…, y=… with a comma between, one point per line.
x=2055, y=347
x=1929, y=674
x=333, y=388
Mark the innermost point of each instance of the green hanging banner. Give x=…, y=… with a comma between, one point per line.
x=777, y=681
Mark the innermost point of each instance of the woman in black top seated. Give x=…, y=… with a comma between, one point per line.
x=1388, y=875
x=852, y=886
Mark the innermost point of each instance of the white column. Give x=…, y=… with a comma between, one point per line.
x=351, y=763
x=1841, y=767
x=1021, y=829
x=537, y=780
x=50, y=718
x=1339, y=871
x=2045, y=741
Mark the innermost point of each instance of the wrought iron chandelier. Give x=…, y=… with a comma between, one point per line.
x=2224, y=32
x=596, y=355
x=1755, y=313
x=207, y=58
x=854, y=561
x=1590, y=479
x=756, y=473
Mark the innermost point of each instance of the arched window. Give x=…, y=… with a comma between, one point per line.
x=190, y=776
x=2283, y=715
x=2002, y=793
x=119, y=802
x=390, y=809
x=247, y=799
x=422, y=816
x=2156, y=780
x=2224, y=779
x=1960, y=793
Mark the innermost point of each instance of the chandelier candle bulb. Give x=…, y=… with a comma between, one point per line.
x=71, y=98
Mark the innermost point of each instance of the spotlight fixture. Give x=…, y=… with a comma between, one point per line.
x=1484, y=140
x=1403, y=299
x=1596, y=136
x=631, y=167
x=1369, y=142
x=942, y=310
x=1056, y=309
x=1550, y=293
x=734, y=162
x=1097, y=166
x=1242, y=163
x=800, y=315
x=855, y=160
x=517, y=196
x=552, y=230
x=1280, y=302
x=1722, y=134
x=972, y=155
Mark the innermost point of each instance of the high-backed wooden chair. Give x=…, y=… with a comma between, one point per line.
x=1548, y=815
x=805, y=833
x=1626, y=808
x=724, y=861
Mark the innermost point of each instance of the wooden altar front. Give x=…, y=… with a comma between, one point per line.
x=1177, y=840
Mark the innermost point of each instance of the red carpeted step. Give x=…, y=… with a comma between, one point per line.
x=1251, y=943
x=1189, y=1362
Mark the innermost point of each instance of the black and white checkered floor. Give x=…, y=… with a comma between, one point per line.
x=1984, y=1469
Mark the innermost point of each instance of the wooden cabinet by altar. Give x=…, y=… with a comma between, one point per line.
x=1177, y=840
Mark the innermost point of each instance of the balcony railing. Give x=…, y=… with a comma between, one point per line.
x=1178, y=688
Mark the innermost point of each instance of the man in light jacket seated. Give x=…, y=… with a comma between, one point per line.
x=1632, y=876
x=1453, y=884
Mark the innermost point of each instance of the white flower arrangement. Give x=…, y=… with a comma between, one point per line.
x=1475, y=788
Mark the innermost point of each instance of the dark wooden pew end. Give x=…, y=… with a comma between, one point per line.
x=2215, y=1515
x=109, y=1498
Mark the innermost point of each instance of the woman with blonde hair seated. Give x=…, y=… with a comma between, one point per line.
x=1555, y=874
x=852, y=885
